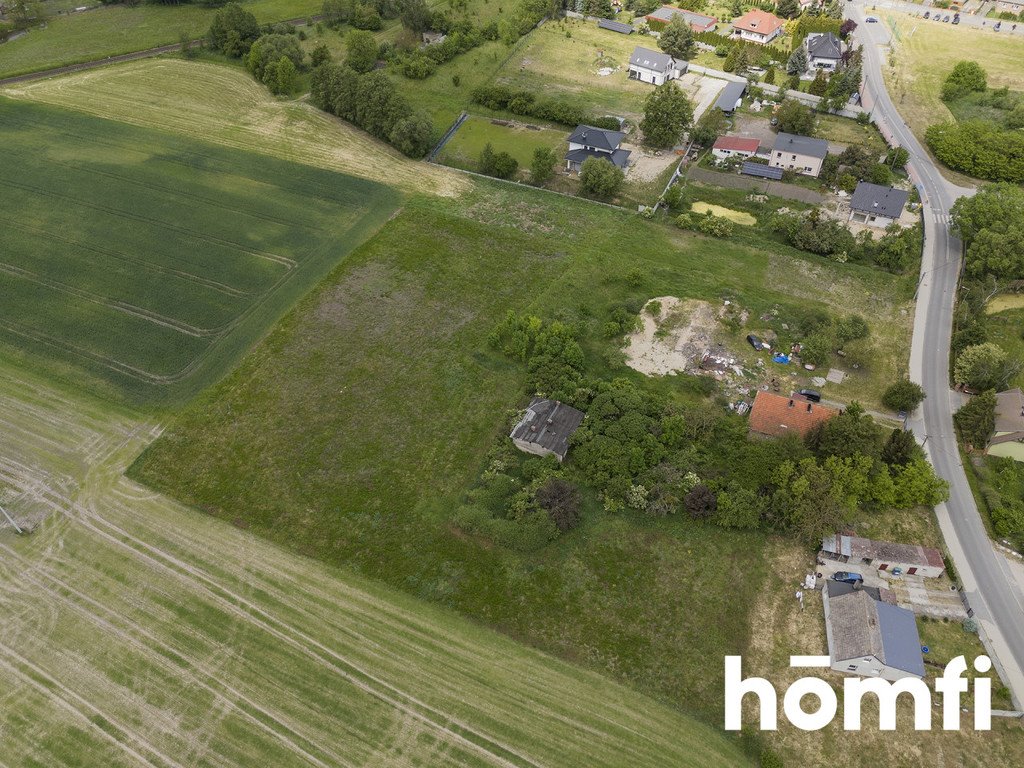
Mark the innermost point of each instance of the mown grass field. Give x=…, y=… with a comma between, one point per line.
x=349, y=433
x=116, y=29
x=138, y=632
x=225, y=105
x=464, y=148
x=151, y=262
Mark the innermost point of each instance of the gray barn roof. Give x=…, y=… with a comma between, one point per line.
x=800, y=145
x=863, y=626
x=653, y=60
x=614, y=26
x=548, y=423
x=761, y=171
x=878, y=200
x=596, y=137
x=731, y=94
x=666, y=12
x=824, y=46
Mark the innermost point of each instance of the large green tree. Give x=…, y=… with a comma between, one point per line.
x=795, y=117
x=667, y=114
x=677, y=38
x=998, y=251
x=977, y=420
x=967, y=76
x=362, y=49
x=233, y=30
x=982, y=366
x=993, y=204
x=600, y=178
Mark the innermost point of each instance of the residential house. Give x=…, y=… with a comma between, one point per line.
x=587, y=141
x=868, y=636
x=911, y=559
x=757, y=26
x=1008, y=439
x=654, y=67
x=777, y=415
x=545, y=428
x=734, y=146
x=876, y=205
x=824, y=51
x=801, y=154
x=729, y=99
x=615, y=26
x=698, y=22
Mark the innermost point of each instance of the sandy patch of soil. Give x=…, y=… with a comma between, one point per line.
x=673, y=340
x=647, y=166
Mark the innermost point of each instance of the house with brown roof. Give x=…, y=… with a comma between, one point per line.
x=911, y=559
x=757, y=26
x=734, y=146
x=1008, y=438
x=777, y=415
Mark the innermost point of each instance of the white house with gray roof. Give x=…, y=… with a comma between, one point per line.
x=877, y=206
x=869, y=636
x=800, y=154
x=588, y=141
x=824, y=51
x=654, y=67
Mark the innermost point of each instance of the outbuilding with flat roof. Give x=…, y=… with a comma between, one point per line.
x=912, y=559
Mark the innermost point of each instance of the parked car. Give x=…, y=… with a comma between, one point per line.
x=755, y=342
x=997, y=26
x=871, y=20
x=810, y=394
x=956, y=19
x=848, y=577
x=927, y=14
x=945, y=18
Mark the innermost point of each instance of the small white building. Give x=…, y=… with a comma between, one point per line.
x=877, y=206
x=654, y=67
x=757, y=26
x=824, y=51
x=734, y=146
x=869, y=636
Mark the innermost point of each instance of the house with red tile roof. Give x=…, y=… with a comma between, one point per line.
x=734, y=146
x=758, y=26
x=778, y=415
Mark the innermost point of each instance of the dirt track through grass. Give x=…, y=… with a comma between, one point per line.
x=226, y=106
x=142, y=633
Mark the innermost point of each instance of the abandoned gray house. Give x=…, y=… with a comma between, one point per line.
x=545, y=428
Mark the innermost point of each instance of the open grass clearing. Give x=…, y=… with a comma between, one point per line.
x=738, y=217
x=518, y=139
x=141, y=632
x=1006, y=328
x=1004, y=302
x=150, y=262
x=224, y=105
x=115, y=29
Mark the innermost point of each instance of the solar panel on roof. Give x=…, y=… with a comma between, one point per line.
x=761, y=171
x=614, y=26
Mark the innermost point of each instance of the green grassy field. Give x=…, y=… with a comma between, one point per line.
x=117, y=29
x=464, y=148
x=152, y=262
x=1006, y=328
x=139, y=632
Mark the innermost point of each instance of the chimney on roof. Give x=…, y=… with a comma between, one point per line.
x=790, y=403
x=808, y=407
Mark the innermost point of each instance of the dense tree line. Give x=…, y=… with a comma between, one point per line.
x=979, y=148
x=519, y=101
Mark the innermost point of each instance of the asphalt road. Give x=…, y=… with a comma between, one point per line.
x=988, y=583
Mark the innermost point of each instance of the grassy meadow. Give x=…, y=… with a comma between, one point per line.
x=150, y=262
x=464, y=148
x=115, y=29
x=137, y=632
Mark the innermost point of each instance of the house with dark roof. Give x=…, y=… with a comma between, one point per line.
x=654, y=67
x=911, y=559
x=776, y=415
x=800, y=154
x=734, y=146
x=730, y=97
x=877, y=206
x=824, y=51
x=588, y=141
x=868, y=636
x=1008, y=438
x=615, y=26
x=545, y=427
x=757, y=26
x=697, y=21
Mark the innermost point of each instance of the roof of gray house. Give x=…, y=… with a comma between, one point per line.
x=863, y=626
x=548, y=423
x=800, y=145
x=653, y=60
x=1010, y=411
x=615, y=26
x=666, y=12
x=824, y=45
x=598, y=138
x=878, y=200
x=617, y=157
x=731, y=94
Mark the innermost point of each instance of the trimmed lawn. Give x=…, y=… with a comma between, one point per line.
x=846, y=131
x=463, y=151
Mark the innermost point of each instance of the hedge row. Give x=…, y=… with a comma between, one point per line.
x=526, y=103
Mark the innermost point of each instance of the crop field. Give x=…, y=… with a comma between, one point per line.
x=925, y=52
x=349, y=433
x=116, y=29
x=226, y=106
x=152, y=262
x=464, y=148
x=139, y=632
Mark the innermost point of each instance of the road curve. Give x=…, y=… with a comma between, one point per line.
x=989, y=585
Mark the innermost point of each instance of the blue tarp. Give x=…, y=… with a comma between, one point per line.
x=784, y=359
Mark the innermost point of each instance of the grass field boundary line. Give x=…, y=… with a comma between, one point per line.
x=223, y=288
x=163, y=659
x=120, y=213
x=55, y=691
x=314, y=649
x=106, y=301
